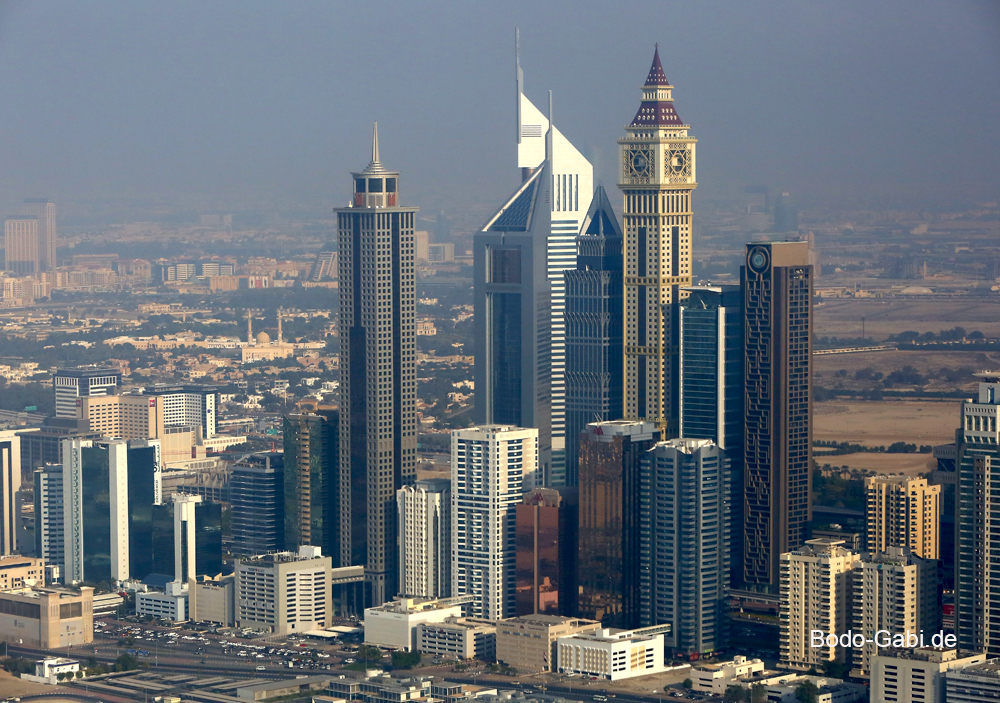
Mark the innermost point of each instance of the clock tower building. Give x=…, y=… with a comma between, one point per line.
x=657, y=157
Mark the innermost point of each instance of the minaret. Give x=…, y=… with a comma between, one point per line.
x=280, y=342
x=250, y=341
x=378, y=422
x=657, y=178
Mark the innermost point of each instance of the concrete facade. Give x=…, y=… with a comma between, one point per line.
x=284, y=593
x=903, y=511
x=528, y=643
x=916, y=675
x=48, y=618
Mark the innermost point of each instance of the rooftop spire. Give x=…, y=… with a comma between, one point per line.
x=548, y=134
x=656, y=75
x=518, y=78
x=375, y=139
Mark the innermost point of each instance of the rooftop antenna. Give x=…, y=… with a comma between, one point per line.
x=375, y=144
x=518, y=78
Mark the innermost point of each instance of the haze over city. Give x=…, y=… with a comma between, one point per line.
x=244, y=105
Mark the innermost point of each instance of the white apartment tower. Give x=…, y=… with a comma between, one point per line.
x=658, y=177
x=50, y=535
x=895, y=591
x=424, y=511
x=491, y=468
x=815, y=595
x=571, y=188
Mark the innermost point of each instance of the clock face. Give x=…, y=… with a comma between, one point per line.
x=639, y=163
x=758, y=259
x=678, y=161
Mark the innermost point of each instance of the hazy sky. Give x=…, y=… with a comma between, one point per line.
x=230, y=104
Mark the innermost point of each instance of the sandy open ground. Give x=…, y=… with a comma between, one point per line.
x=11, y=685
x=909, y=464
x=884, y=422
x=885, y=316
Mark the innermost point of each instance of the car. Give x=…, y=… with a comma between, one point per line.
x=260, y=668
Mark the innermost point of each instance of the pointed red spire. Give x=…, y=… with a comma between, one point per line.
x=656, y=75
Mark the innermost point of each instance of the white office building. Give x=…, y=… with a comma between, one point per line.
x=572, y=185
x=612, y=654
x=491, y=468
x=10, y=485
x=70, y=384
x=395, y=623
x=50, y=533
x=916, y=675
x=424, y=513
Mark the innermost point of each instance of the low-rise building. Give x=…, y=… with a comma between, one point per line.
x=528, y=643
x=916, y=675
x=52, y=670
x=459, y=638
x=107, y=603
x=383, y=689
x=612, y=654
x=716, y=678
x=17, y=571
x=395, y=624
x=285, y=687
x=783, y=688
x=211, y=600
x=285, y=592
x=48, y=618
x=170, y=604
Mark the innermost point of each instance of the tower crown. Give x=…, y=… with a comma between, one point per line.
x=375, y=186
x=657, y=107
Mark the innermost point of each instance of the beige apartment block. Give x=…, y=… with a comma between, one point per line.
x=528, y=643
x=916, y=675
x=121, y=416
x=903, y=512
x=48, y=618
x=815, y=596
x=21, y=245
x=285, y=592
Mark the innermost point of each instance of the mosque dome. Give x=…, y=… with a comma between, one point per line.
x=263, y=338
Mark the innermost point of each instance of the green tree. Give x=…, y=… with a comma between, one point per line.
x=369, y=653
x=126, y=662
x=734, y=694
x=687, y=683
x=405, y=660
x=807, y=693
x=758, y=694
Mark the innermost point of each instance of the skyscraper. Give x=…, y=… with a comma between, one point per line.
x=50, y=531
x=570, y=182
x=491, y=468
x=711, y=388
x=312, y=486
x=21, y=245
x=425, y=538
x=686, y=543
x=594, y=346
x=187, y=538
x=658, y=176
x=109, y=489
x=777, y=297
x=977, y=542
x=513, y=361
x=10, y=484
x=45, y=211
x=378, y=386
x=610, y=530
x=547, y=548
x=256, y=488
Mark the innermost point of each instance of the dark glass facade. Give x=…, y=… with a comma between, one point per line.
x=610, y=521
x=777, y=295
x=312, y=496
x=141, y=496
x=594, y=318
x=547, y=552
x=256, y=487
x=207, y=546
x=711, y=388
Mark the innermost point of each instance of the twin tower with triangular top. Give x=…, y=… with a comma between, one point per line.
x=569, y=311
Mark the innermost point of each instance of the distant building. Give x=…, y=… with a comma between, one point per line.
x=109, y=489
x=528, y=643
x=815, y=595
x=458, y=638
x=378, y=371
x=716, y=677
x=47, y=618
x=70, y=384
x=395, y=624
x=916, y=675
x=610, y=527
x=975, y=683
x=17, y=571
x=786, y=215
x=10, y=486
x=547, y=522
x=903, y=511
x=284, y=593
x=256, y=490
x=491, y=468
x=594, y=319
x=777, y=284
x=688, y=544
x=424, y=513
x=45, y=211
x=896, y=592
x=21, y=255
x=612, y=655
x=312, y=485
x=212, y=600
